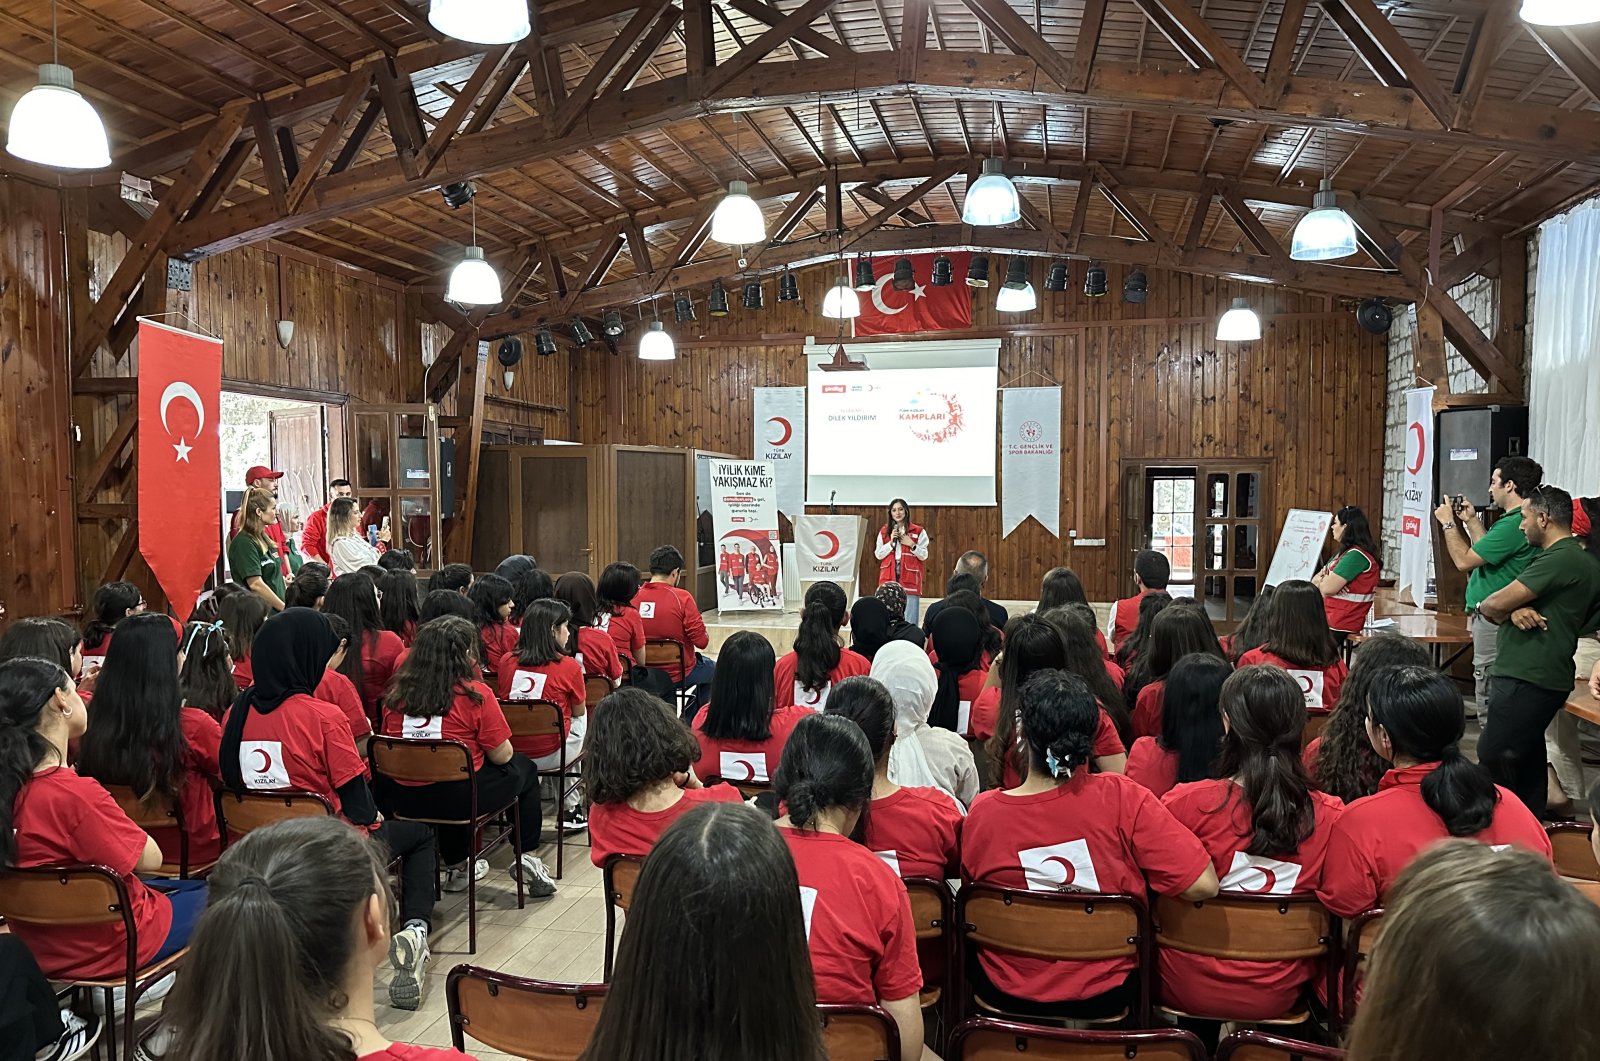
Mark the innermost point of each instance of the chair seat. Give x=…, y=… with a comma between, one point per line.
x=196, y=870
x=1299, y=1015
x=1050, y=1021
x=930, y=997
x=143, y=978
x=476, y=823
x=557, y=771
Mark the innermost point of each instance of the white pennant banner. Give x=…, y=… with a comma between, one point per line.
x=1030, y=458
x=780, y=439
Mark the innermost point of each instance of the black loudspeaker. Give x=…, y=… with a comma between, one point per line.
x=1374, y=316
x=1468, y=442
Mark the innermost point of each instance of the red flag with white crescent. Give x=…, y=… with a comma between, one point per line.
x=180, y=458
x=924, y=308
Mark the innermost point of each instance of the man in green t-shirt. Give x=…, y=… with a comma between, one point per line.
x=1492, y=557
x=1542, y=613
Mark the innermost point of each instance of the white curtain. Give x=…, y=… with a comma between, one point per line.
x=1564, y=365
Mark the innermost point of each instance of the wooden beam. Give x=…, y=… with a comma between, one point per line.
x=1080, y=212
x=227, y=172
x=357, y=141
x=915, y=195
x=155, y=47
x=801, y=205
x=1135, y=214
x=638, y=248
x=505, y=85
x=659, y=31
x=1510, y=338
x=1083, y=52
x=1575, y=54
x=600, y=260
x=1254, y=231
x=764, y=45
x=356, y=26
x=1284, y=44
x=913, y=39
x=1196, y=41
x=248, y=9
x=1475, y=259
x=442, y=372
x=444, y=133
x=96, y=476
x=699, y=47
x=400, y=113
x=470, y=385
x=1476, y=60
x=332, y=135
x=771, y=16
x=567, y=114
x=1391, y=60
x=1015, y=33
x=689, y=243
x=200, y=29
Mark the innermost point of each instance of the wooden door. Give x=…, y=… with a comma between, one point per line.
x=557, y=521
x=295, y=439
x=1231, y=508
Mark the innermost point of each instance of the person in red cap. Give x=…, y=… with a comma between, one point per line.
x=267, y=479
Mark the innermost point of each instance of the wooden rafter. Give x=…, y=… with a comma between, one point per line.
x=1281, y=58
x=1391, y=60
x=331, y=137
x=261, y=18
x=1574, y=52
x=1094, y=15
x=1001, y=19
x=1201, y=45
x=762, y=46
x=200, y=29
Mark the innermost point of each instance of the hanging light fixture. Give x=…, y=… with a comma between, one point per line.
x=683, y=309
x=580, y=332
x=978, y=271
x=992, y=199
x=865, y=281
x=904, y=278
x=1560, y=12
x=1016, y=294
x=481, y=21
x=1326, y=232
x=1135, y=287
x=544, y=343
x=943, y=273
x=52, y=124
x=611, y=323
x=458, y=194
x=737, y=219
x=1094, y=281
x=473, y=282
x=841, y=301
x=752, y=295
x=1056, y=279
x=656, y=344
x=717, y=302
x=1240, y=324
x=788, y=288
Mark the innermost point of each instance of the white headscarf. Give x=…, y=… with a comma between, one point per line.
x=905, y=671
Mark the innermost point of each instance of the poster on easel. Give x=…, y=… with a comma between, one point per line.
x=1299, y=545
x=744, y=519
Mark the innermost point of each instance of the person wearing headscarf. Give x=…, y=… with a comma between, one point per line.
x=278, y=736
x=893, y=596
x=958, y=658
x=869, y=626
x=514, y=565
x=922, y=756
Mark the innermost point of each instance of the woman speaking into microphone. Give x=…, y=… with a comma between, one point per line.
x=902, y=548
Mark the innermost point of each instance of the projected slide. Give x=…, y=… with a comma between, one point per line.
x=915, y=425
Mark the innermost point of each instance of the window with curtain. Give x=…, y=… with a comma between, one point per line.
x=1564, y=362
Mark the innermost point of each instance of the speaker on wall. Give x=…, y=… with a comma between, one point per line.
x=1374, y=316
x=1468, y=442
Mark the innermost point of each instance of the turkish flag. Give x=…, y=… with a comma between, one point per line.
x=180, y=458
x=925, y=308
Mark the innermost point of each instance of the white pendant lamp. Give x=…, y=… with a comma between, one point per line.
x=1239, y=325
x=738, y=219
x=1016, y=299
x=53, y=124
x=841, y=302
x=1326, y=232
x=1560, y=12
x=481, y=21
x=992, y=199
x=473, y=282
x=656, y=344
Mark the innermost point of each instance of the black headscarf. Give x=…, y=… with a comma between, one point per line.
x=288, y=657
x=514, y=565
x=958, y=640
x=869, y=626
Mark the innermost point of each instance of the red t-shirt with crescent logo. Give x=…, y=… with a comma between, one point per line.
x=618, y=829
x=917, y=833
x=59, y=816
x=1094, y=832
x=383, y=652
x=599, y=654
x=1152, y=766
x=859, y=929
x=560, y=682
x=627, y=633
x=670, y=614
x=1217, y=813
x=480, y=725
x=1320, y=685
x=498, y=640
x=340, y=691
x=304, y=744
x=745, y=760
x=789, y=691
x=1147, y=709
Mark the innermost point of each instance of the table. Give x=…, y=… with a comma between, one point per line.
x=1583, y=704
x=1436, y=631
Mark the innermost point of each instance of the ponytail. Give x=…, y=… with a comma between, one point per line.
x=816, y=646
x=1266, y=714
x=110, y=606
x=826, y=764
x=1423, y=714
x=27, y=685
x=1461, y=792
x=1059, y=718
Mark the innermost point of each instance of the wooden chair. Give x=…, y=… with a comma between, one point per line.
x=445, y=762
x=1358, y=936
x=78, y=896
x=595, y=689
x=661, y=654
x=1260, y=1046
x=933, y=911
x=1316, y=722
x=986, y=1039
x=1053, y=926
x=1250, y=928
x=1574, y=856
x=1589, y=889
x=541, y=718
x=620, y=874
x=156, y=811
x=535, y=1019
x=858, y=1033
x=243, y=812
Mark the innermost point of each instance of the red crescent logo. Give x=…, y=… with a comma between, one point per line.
x=266, y=761
x=1305, y=682
x=812, y=698
x=1069, y=871
x=788, y=431
x=1269, y=880
x=833, y=545
x=1422, y=450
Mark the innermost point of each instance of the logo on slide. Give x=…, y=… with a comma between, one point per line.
x=833, y=388
x=1256, y=875
x=743, y=766
x=1030, y=431
x=1059, y=867
x=933, y=417
x=832, y=544
x=787, y=428
x=1422, y=448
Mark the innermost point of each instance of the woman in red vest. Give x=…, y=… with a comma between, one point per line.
x=1348, y=582
x=901, y=550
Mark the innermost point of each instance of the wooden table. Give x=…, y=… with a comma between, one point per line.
x=1583, y=704
x=1436, y=631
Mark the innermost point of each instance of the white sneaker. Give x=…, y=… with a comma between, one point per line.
x=408, y=953
x=78, y=1038
x=455, y=877
x=535, y=878
x=156, y=992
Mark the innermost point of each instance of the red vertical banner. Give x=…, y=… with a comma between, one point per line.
x=180, y=458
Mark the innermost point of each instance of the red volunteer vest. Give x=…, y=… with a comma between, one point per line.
x=909, y=574
x=1347, y=610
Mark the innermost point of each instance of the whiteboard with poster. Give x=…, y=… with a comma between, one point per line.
x=1299, y=545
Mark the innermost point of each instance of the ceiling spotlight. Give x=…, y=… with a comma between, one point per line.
x=53, y=125
x=473, y=282
x=992, y=199
x=1240, y=324
x=1327, y=232
x=544, y=343
x=978, y=271
x=1094, y=283
x=481, y=21
x=1135, y=286
x=1016, y=294
x=580, y=332
x=788, y=288
x=904, y=280
x=752, y=295
x=943, y=273
x=458, y=194
x=1056, y=279
x=1560, y=12
x=611, y=323
x=737, y=219
x=683, y=309
x=717, y=303
x=841, y=302
x=864, y=278
x=656, y=344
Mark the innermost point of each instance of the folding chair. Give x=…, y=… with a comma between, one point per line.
x=443, y=762
x=1358, y=936
x=858, y=1033
x=1260, y=1046
x=535, y=1019
x=541, y=718
x=620, y=874
x=933, y=911
x=156, y=811
x=80, y=896
x=661, y=654
x=595, y=689
x=244, y=812
x=1574, y=856
x=987, y=1039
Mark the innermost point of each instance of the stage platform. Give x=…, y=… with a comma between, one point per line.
x=779, y=627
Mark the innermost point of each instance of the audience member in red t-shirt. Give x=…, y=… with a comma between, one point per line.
x=374, y=652
x=111, y=603
x=1302, y=644
x=1252, y=629
x=670, y=614
x=400, y=608
x=956, y=640
x=741, y=732
x=1065, y=828
x=1151, y=570
x=640, y=775
x=437, y=695
x=819, y=659
x=1416, y=720
x=1342, y=760
x=619, y=585
x=205, y=677
x=588, y=640
x=336, y=689
x=492, y=598
x=540, y=669
x=1175, y=632
x=241, y=615
x=1149, y=606
x=1266, y=830
x=1191, y=727
x=857, y=913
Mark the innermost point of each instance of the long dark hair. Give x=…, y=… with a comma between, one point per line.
x=1060, y=586
x=1357, y=533
x=27, y=685
x=354, y=598
x=135, y=738
x=241, y=616
x=266, y=963
x=720, y=885
x=1060, y=716
x=442, y=664
x=528, y=586
x=1297, y=626
x=51, y=639
x=206, y=680
x=619, y=584
x=742, y=694
x=536, y=644
x=447, y=602
x=109, y=605
x=1591, y=508
x=1085, y=659
x=816, y=645
x=1421, y=710
x=958, y=640
x=869, y=705
x=1033, y=643
x=1266, y=714
x=401, y=606
x=888, y=519
x=1150, y=605
x=306, y=589
x=1176, y=632
x=1252, y=629
x=635, y=740
x=1346, y=764
x=1191, y=719
x=576, y=590
x=489, y=594
x=826, y=763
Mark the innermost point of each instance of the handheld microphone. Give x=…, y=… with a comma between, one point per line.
x=832, y=510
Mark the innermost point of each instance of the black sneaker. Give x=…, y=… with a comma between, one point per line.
x=78, y=1039
x=574, y=820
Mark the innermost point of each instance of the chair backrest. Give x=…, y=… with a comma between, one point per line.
x=243, y=812
x=595, y=689
x=932, y=906
x=155, y=811
x=426, y=760
x=1358, y=936
x=1054, y=926
x=986, y=1039
x=1246, y=927
x=64, y=895
x=1316, y=721
x=1264, y=1046
x=1589, y=889
x=533, y=718
x=536, y=1019
x=659, y=653
x=858, y=1033
x=621, y=876
x=1574, y=856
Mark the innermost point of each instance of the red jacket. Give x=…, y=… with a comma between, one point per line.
x=1347, y=610
x=314, y=536
x=905, y=568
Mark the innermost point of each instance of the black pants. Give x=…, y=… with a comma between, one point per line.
x=1512, y=745
x=497, y=785
x=29, y=1017
x=412, y=844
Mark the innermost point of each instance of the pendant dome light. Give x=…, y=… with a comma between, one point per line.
x=53, y=125
x=737, y=219
x=1016, y=294
x=473, y=282
x=841, y=301
x=1327, y=232
x=481, y=21
x=992, y=199
x=1240, y=324
x=1560, y=12
x=656, y=344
